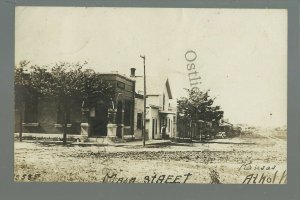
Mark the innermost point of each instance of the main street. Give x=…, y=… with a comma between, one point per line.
x=220, y=161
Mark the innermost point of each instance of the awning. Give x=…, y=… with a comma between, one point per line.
x=166, y=112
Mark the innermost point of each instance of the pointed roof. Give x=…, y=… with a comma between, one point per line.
x=155, y=85
x=169, y=89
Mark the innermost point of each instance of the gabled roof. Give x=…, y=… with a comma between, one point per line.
x=224, y=123
x=169, y=89
x=117, y=75
x=154, y=85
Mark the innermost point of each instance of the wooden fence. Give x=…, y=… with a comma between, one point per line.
x=193, y=130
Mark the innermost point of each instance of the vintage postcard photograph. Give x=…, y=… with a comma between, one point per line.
x=150, y=95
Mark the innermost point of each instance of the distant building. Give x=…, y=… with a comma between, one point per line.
x=225, y=126
x=244, y=127
x=160, y=115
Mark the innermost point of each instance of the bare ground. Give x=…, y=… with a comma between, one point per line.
x=233, y=161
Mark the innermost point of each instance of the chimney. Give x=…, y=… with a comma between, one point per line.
x=132, y=72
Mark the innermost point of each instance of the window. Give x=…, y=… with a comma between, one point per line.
x=31, y=110
x=93, y=112
x=169, y=126
x=139, y=124
x=61, y=116
x=120, y=85
x=164, y=101
x=119, y=113
x=127, y=113
x=130, y=88
x=153, y=128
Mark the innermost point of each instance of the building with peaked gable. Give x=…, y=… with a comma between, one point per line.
x=160, y=114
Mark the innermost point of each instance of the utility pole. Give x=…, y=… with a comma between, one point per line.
x=144, y=118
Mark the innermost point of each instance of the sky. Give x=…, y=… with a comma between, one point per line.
x=241, y=53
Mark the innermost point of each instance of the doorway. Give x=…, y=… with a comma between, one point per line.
x=119, y=119
x=99, y=121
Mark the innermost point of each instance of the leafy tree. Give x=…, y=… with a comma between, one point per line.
x=67, y=84
x=23, y=90
x=198, y=106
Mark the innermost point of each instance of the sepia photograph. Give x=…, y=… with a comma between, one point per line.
x=150, y=95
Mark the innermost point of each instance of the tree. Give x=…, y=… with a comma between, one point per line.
x=198, y=106
x=23, y=90
x=66, y=84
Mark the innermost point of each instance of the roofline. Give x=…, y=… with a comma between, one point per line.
x=120, y=75
x=169, y=89
x=166, y=112
x=153, y=106
x=153, y=94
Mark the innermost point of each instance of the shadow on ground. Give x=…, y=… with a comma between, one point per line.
x=69, y=144
x=220, y=142
x=165, y=144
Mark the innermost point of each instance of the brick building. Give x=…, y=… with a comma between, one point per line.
x=42, y=115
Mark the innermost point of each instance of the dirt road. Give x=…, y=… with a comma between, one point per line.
x=236, y=160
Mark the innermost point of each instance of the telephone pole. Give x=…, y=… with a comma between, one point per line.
x=144, y=118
